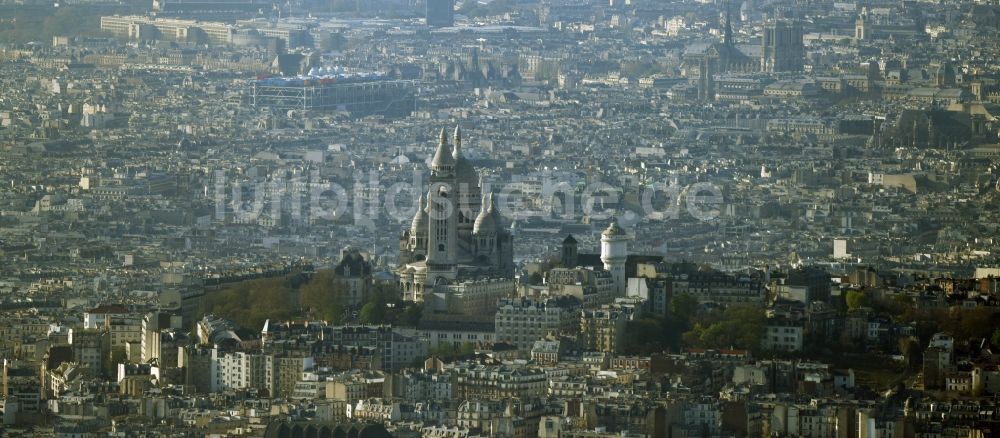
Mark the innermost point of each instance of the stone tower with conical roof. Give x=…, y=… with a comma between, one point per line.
x=443, y=163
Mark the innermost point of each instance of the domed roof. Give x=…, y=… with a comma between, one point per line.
x=442, y=157
x=613, y=230
x=419, y=224
x=489, y=217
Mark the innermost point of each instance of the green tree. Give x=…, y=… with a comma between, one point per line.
x=900, y=306
x=683, y=306
x=717, y=335
x=323, y=296
x=39, y=24
x=644, y=336
x=740, y=327
x=909, y=348
x=449, y=350
x=411, y=315
x=332, y=313
x=319, y=289
x=472, y=8
x=466, y=349
x=250, y=303
x=975, y=323
x=692, y=338
x=385, y=293
x=372, y=313
x=856, y=299
x=749, y=324
x=640, y=68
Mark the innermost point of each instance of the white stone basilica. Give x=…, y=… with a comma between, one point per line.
x=457, y=234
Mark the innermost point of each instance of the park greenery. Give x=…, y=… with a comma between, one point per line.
x=739, y=327
x=690, y=325
x=250, y=303
x=639, y=69
x=319, y=296
x=475, y=9
x=448, y=350
x=963, y=324
x=40, y=24
x=686, y=325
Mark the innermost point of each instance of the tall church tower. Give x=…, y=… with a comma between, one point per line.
x=569, y=252
x=782, y=46
x=441, y=205
x=614, y=251
x=441, y=233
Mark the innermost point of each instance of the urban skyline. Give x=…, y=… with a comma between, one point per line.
x=511, y=218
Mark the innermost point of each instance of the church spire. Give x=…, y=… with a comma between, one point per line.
x=457, y=139
x=421, y=204
x=419, y=223
x=729, y=24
